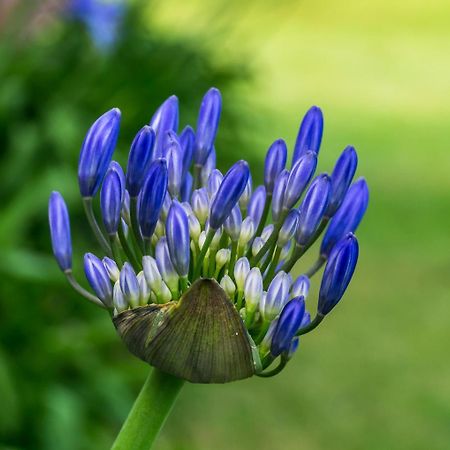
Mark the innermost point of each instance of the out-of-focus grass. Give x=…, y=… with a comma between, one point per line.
x=375, y=375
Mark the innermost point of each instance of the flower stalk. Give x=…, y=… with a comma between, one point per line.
x=149, y=412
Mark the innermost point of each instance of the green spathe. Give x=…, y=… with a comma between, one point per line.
x=201, y=338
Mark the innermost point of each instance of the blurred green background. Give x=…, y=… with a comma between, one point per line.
x=376, y=375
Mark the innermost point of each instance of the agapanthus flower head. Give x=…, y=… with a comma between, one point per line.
x=196, y=277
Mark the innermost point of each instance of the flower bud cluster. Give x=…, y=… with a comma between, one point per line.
x=172, y=217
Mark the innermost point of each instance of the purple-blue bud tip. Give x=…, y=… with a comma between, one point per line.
x=152, y=197
x=338, y=273
x=310, y=133
x=288, y=324
x=111, y=197
x=348, y=216
x=139, y=159
x=178, y=238
x=58, y=218
x=231, y=188
x=98, y=278
x=275, y=162
x=96, y=152
x=207, y=125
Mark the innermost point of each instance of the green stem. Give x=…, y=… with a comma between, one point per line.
x=115, y=247
x=149, y=412
x=264, y=215
x=201, y=256
x=315, y=267
x=136, y=238
x=232, y=259
x=128, y=251
x=197, y=176
x=81, y=290
x=272, y=267
x=289, y=264
x=314, y=324
x=89, y=210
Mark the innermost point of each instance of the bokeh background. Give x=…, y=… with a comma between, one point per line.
x=376, y=375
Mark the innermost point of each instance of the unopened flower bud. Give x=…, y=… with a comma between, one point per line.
x=111, y=268
x=228, y=286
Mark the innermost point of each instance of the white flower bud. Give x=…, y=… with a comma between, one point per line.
x=119, y=300
x=228, y=286
x=253, y=289
x=151, y=273
x=241, y=270
x=247, y=231
x=222, y=257
x=144, y=289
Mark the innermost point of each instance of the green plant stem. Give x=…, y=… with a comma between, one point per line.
x=264, y=215
x=314, y=324
x=316, y=266
x=128, y=251
x=80, y=289
x=149, y=412
x=89, y=210
x=135, y=234
x=201, y=256
x=115, y=247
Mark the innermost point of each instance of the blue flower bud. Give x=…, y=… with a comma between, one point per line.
x=275, y=162
x=233, y=223
x=186, y=187
x=129, y=285
x=278, y=194
x=301, y=174
x=312, y=209
x=231, y=188
x=306, y=319
x=338, y=273
x=98, y=278
x=111, y=268
x=310, y=134
x=165, y=265
x=165, y=119
x=200, y=204
x=267, y=231
x=277, y=296
x=116, y=167
x=174, y=164
x=152, y=197
x=348, y=216
x=256, y=204
x=300, y=287
x=294, y=346
x=287, y=326
x=288, y=228
x=194, y=227
x=178, y=239
x=187, y=141
x=342, y=176
x=213, y=184
x=111, y=196
x=245, y=197
x=96, y=152
x=58, y=218
x=208, y=122
x=208, y=167
x=139, y=159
